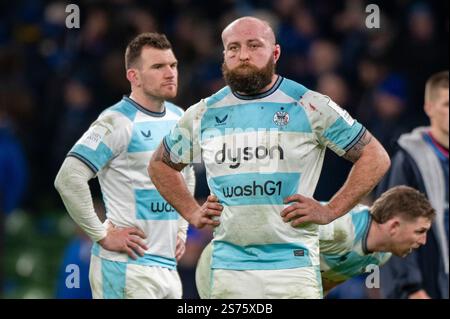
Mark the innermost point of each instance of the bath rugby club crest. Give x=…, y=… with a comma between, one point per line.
x=281, y=118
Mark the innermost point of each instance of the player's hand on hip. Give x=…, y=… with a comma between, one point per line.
x=208, y=213
x=306, y=210
x=180, y=248
x=125, y=240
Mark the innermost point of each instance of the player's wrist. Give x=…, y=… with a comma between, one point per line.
x=100, y=238
x=332, y=212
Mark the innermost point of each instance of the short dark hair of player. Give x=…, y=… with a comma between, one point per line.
x=150, y=39
x=403, y=201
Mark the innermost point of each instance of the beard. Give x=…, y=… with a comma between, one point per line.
x=247, y=78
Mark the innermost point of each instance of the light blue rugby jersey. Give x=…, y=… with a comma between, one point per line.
x=343, y=246
x=118, y=147
x=258, y=150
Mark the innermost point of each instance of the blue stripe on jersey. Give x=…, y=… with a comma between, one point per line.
x=348, y=265
x=173, y=108
x=254, y=188
x=259, y=257
x=217, y=97
x=125, y=108
x=153, y=260
x=113, y=279
x=253, y=116
x=97, y=158
x=292, y=89
x=150, y=205
x=95, y=250
x=146, y=136
x=360, y=222
x=342, y=134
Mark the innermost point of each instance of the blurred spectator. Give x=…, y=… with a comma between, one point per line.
x=354, y=288
x=77, y=255
x=385, y=117
x=422, y=162
x=335, y=87
x=196, y=242
x=417, y=48
x=13, y=167
x=77, y=115
x=2, y=240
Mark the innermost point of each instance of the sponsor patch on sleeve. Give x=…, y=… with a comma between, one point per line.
x=343, y=113
x=94, y=136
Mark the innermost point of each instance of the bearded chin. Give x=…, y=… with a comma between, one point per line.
x=251, y=81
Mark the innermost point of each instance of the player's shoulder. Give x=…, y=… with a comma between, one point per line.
x=173, y=108
x=293, y=89
x=217, y=97
x=121, y=113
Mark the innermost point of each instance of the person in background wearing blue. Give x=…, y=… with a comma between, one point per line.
x=75, y=270
x=13, y=176
x=422, y=162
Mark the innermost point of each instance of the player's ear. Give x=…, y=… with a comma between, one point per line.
x=133, y=77
x=428, y=108
x=393, y=226
x=276, y=53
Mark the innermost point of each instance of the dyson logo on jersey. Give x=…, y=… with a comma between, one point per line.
x=235, y=156
x=161, y=207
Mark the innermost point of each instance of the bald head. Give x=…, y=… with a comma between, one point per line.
x=249, y=26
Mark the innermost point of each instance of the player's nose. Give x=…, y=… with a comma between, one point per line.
x=244, y=54
x=423, y=239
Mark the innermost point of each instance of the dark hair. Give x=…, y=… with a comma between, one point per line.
x=436, y=81
x=151, y=39
x=402, y=201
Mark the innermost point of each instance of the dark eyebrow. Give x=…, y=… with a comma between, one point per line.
x=232, y=43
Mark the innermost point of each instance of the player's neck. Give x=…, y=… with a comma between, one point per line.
x=264, y=89
x=270, y=85
x=440, y=137
x=375, y=238
x=147, y=102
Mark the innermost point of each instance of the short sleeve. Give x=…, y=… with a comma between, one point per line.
x=333, y=126
x=105, y=139
x=183, y=141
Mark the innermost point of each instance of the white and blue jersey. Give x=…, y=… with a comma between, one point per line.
x=343, y=246
x=118, y=147
x=258, y=150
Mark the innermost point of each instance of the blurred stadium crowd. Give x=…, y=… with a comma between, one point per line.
x=55, y=81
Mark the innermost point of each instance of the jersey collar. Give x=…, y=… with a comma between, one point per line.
x=260, y=95
x=143, y=109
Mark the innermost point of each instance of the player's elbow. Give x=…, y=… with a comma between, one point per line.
x=154, y=166
x=377, y=157
x=385, y=161
x=61, y=181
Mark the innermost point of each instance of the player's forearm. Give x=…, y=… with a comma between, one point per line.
x=172, y=186
x=189, y=177
x=72, y=184
x=366, y=173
